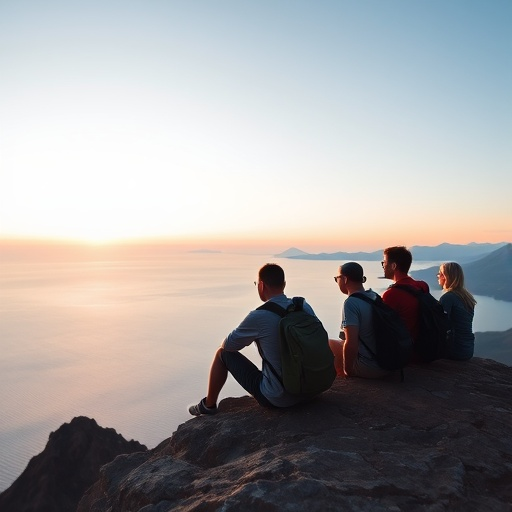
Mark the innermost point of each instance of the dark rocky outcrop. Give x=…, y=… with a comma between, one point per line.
x=491, y=275
x=54, y=480
x=440, y=441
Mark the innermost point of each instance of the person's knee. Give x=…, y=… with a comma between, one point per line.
x=336, y=347
x=334, y=344
x=219, y=354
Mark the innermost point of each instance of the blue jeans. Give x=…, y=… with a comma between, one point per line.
x=246, y=374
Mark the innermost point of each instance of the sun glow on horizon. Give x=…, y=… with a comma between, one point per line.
x=174, y=126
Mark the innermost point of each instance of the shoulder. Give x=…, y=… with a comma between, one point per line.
x=369, y=294
x=279, y=304
x=448, y=298
x=356, y=302
x=423, y=286
x=279, y=300
x=393, y=294
x=408, y=282
x=389, y=290
x=306, y=307
x=273, y=307
x=420, y=285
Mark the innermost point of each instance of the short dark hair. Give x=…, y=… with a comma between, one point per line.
x=272, y=275
x=401, y=256
x=353, y=271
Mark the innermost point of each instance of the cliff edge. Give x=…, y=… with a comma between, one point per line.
x=55, y=480
x=441, y=440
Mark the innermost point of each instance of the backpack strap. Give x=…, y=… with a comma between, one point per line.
x=296, y=305
x=361, y=295
x=408, y=288
x=273, y=308
x=280, y=311
x=365, y=298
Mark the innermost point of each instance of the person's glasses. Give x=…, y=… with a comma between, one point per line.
x=336, y=278
x=255, y=283
x=383, y=263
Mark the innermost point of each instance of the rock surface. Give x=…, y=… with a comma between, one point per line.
x=54, y=480
x=440, y=441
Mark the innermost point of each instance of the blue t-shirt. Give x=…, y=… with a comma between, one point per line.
x=462, y=322
x=359, y=313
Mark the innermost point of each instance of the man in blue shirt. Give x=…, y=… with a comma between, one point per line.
x=353, y=355
x=262, y=327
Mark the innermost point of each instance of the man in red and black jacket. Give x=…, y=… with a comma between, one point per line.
x=396, y=264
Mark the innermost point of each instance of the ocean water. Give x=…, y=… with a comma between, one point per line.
x=129, y=341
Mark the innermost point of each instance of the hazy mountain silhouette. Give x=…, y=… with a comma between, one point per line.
x=454, y=252
x=490, y=276
x=292, y=252
x=442, y=252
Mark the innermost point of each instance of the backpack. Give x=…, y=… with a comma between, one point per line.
x=435, y=332
x=306, y=358
x=392, y=339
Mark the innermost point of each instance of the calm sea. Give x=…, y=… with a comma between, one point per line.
x=129, y=341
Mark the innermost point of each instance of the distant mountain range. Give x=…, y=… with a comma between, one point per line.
x=442, y=252
x=490, y=276
x=487, y=267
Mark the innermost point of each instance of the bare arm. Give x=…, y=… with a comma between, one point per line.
x=350, y=348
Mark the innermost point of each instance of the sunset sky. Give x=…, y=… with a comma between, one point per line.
x=325, y=125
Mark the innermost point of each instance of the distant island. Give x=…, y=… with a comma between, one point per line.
x=487, y=267
x=204, y=251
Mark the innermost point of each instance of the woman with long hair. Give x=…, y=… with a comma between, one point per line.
x=460, y=306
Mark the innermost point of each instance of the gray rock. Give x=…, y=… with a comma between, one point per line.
x=55, y=480
x=440, y=441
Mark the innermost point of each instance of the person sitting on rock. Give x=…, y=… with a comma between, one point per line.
x=262, y=327
x=351, y=357
x=459, y=304
x=396, y=264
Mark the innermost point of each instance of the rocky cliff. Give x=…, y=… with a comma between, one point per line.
x=55, y=479
x=440, y=441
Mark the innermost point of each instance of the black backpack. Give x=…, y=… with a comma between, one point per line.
x=393, y=341
x=306, y=358
x=435, y=332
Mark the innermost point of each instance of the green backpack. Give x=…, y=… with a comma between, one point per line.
x=306, y=358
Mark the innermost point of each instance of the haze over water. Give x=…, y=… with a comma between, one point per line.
x=246, y=126
x=129, y=341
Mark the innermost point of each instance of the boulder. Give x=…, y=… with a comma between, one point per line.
x=439, y=441
x=55, y=480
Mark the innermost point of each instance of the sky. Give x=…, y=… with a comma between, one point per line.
x=324, y=125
